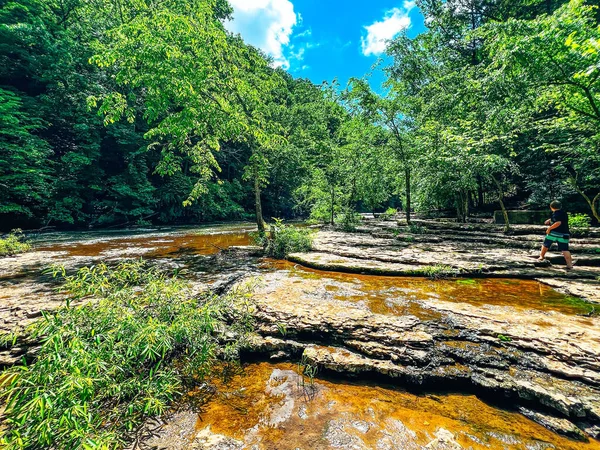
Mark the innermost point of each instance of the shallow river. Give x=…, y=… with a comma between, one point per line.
x=271, y=406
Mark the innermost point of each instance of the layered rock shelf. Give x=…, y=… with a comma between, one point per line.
x=546, y=361
x=435, y=307
x=468, y=250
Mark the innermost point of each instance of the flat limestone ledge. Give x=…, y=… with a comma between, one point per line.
x=464, y=251
x=519, y=385
x=345, y=264
x=581, y=282
x=543, y=360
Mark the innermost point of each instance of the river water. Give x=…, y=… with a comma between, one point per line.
x=268, y=405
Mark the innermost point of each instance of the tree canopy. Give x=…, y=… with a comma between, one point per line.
x=121, y=113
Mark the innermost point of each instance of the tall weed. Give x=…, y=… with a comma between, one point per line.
x=103, y=367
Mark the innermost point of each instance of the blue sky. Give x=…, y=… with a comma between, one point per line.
x=320, y=39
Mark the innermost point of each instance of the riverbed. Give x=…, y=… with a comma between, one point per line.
x=403, y=328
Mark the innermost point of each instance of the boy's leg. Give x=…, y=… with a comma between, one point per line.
x=568, y=258
x=545, y=246
x=543, y=252
x=564, y=248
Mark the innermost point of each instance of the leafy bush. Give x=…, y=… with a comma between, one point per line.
x=348, y=219
x=389, y=213
x=580, y=222
x=14, y=243
x=105, y=366
x=281, y=240
x=416, y=229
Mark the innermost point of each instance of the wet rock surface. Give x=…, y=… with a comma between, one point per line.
x=473, y=250
x=531, y=348
x=509, y=339
x=272, y=406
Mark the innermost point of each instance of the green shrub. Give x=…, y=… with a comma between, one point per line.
x=281, y=240
x=416, y=229
x=580, y=222
x=389, y=213
x=348, y=219
x=103, y=367
x=14, y=243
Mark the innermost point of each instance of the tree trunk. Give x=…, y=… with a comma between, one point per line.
x=590, y=201
x=480, y=200
x=259, y=217
x=407, y=176
x=502, y=207
x=332, y=205
x=459, y=217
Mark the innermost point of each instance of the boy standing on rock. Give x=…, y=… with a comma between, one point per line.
x=558, y=231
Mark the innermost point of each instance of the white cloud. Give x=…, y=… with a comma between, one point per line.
x=266, y=24
x=299, y=54
x=306, y=33
x=379, y=33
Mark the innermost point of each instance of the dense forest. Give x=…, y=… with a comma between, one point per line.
x=125, y=112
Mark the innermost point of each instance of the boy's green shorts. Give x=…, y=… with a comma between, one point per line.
x=562, y=240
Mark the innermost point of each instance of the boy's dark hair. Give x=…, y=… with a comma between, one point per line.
x=556, y=204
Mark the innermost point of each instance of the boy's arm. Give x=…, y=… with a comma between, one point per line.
x=553, y=226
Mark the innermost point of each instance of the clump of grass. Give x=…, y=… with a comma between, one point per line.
x=13, y=244
x=306, y=369
x=436, y=271
x=106, y=365
x=282, y=239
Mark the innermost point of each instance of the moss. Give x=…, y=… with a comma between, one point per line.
x=467, y=281
x=579, y=305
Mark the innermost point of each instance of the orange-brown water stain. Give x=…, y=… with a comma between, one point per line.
x=155, y=246
x=383, y=293
x=365, y=412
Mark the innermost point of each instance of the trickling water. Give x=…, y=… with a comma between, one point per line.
x=270, y=406
x=152, y=244
x=406, y=295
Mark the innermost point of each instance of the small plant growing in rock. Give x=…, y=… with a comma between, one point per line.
x=416, y=229
x=389, y=214
x=14, y=243
x=504, y=338
x=306, y=369
x=282, y=328
x=282, y=239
